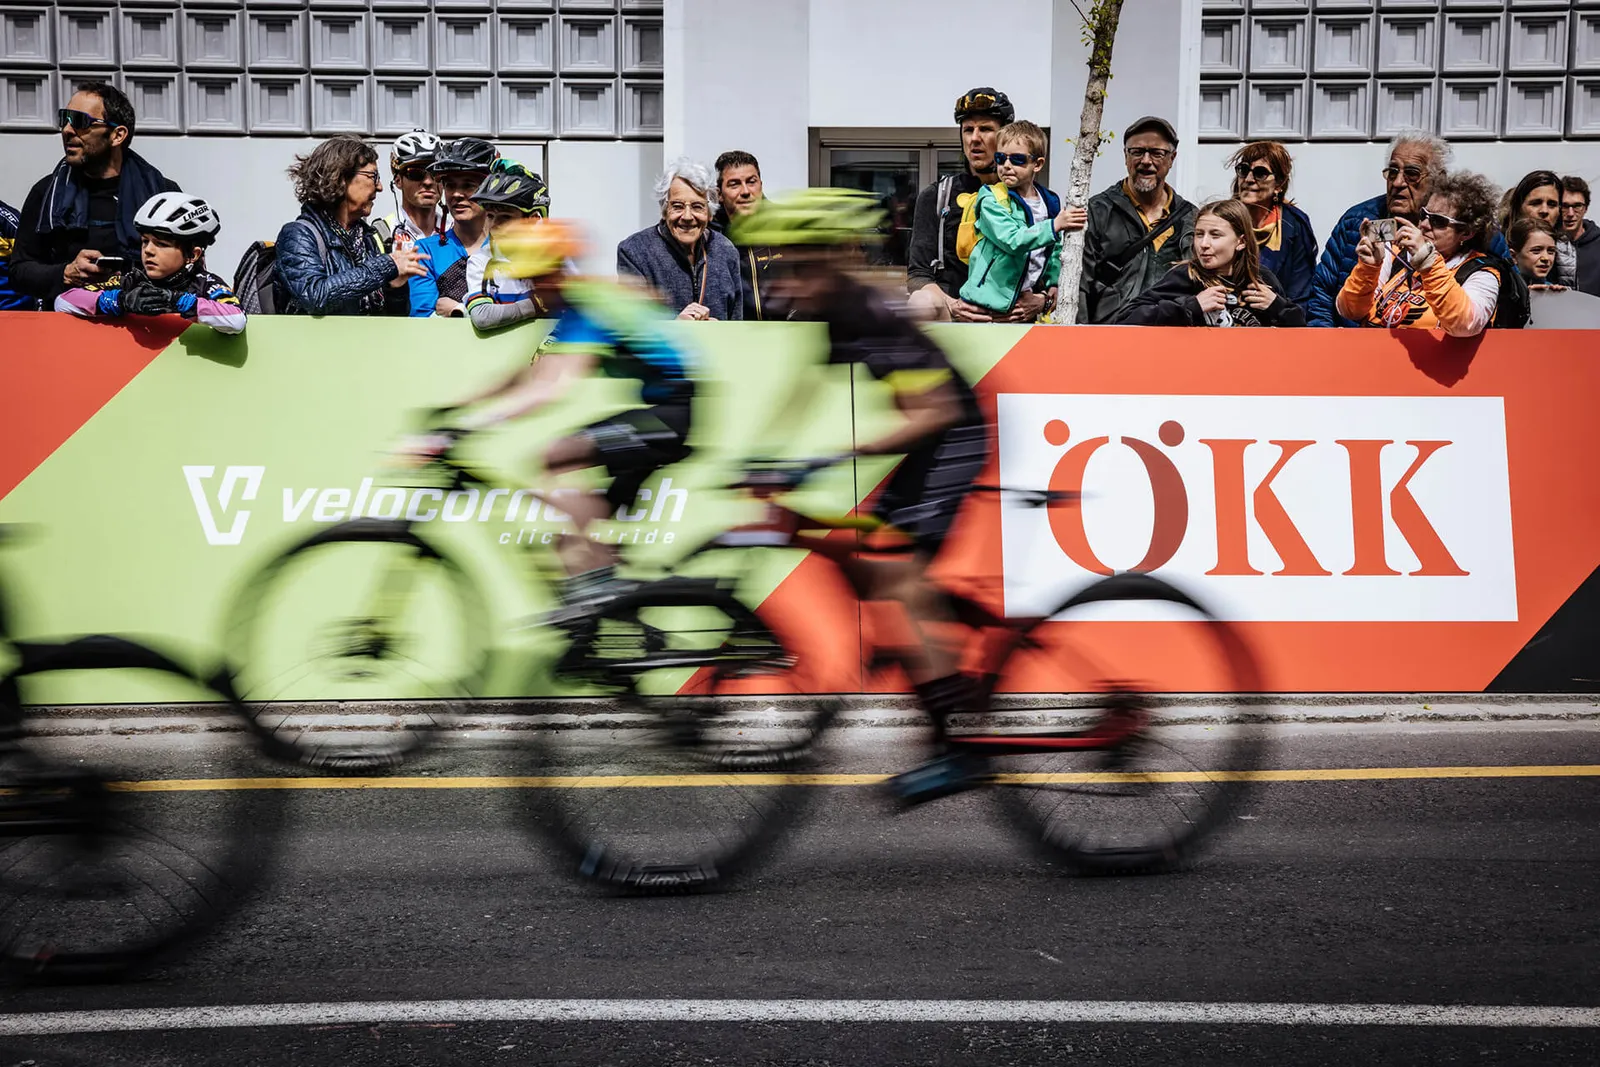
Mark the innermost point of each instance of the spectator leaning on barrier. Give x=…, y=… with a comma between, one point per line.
x=417, y=213
x=935, y=271
x=84, y=209
x=508, y=195
x=739, y=190
x=449, y=273
x=1533, y=246
x=1261, y=171
x=1538, y=196
x=1139, y=229
x=1436, y=276
x=1223, y=285
x=175, y=229
x=693, y=268
x=1582, y=232
x=1019, y=223
x=10, y=299
x=1416, y=161
x=329, y=260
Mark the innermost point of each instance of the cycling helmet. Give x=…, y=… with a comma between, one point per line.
x=985, y=100
x=179, y=216
x=812, y=217
x=512, y=185
x=465, y=154
x=418, y=146
x=533, y=248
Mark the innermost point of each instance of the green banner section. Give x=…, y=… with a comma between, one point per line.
x=153, y=518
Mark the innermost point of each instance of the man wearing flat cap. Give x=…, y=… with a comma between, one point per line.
x=1139, y=229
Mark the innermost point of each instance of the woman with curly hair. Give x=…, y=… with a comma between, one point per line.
x=330, y=260
x=1438, y=275
x=1289, y=249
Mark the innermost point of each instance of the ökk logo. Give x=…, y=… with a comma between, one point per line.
x=1271, y=507
x=242, y=483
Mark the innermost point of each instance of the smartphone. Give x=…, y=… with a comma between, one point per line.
x=110, y=265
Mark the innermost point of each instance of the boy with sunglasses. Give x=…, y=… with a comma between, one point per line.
x=1018, y=224
x=83, y=210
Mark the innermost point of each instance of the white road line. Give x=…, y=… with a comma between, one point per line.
x=797, y=1011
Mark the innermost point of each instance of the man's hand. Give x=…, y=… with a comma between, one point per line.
x=961, y=311
x=149, y=300
x=420, y=449
x=695, y=312
x=1259, y=296
x=1212, y=299
x=84, y=268
x=1028, y=308
x=409, y=262
x=444, y=307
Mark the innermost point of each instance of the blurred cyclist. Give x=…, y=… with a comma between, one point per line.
x=943, y=436
x=600, y=326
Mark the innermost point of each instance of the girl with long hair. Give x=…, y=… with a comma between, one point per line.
x=1223, y=285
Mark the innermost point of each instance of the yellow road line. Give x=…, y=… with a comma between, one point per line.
x=663, y=781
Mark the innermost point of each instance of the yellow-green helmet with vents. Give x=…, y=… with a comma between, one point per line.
x=812, y=217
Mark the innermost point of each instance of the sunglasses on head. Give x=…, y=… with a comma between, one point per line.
x=79, y=120
x=1258, y=172
x=1016, y=159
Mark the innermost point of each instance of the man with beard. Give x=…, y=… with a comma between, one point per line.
x=84, y=210
x=1139, y=229
x=934, y=271
x=739, y=188
x=1416, y=162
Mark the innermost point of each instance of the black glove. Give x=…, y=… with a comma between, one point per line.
x=148, y=300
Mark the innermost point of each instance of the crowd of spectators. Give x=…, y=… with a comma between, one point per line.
x=106, y=234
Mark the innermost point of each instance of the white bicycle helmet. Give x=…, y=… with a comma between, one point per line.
x=179, y=215
x=418, y=146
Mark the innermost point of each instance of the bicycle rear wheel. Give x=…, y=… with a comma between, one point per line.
x=355, y=647
x=695, y=775
x=100, y=876
x=1171, y=770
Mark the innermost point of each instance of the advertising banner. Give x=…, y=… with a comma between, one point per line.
x=1377, y=511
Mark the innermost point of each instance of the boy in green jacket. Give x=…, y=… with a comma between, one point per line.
x=1018, y=223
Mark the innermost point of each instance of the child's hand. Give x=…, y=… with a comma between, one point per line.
x=1071, y=218
x=148, y=300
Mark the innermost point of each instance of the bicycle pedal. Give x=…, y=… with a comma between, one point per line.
x=937, y=778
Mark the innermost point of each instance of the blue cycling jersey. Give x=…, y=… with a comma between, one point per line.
x=624, y=330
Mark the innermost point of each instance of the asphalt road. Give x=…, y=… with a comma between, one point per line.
x=1477, y=891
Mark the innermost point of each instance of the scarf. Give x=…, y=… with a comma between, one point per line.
x=66, y=201
x=355, y=241
x=1269, y=235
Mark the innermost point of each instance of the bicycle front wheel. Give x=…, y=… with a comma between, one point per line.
x=352, y=649
x=701, y=765
x=1158, y=773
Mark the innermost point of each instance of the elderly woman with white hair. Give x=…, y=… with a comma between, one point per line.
x=694, y=269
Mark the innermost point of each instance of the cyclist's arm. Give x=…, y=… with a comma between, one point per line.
x=929, y=411
x=545, y=382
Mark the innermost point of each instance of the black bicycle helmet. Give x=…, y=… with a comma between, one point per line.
x=464, y=154
x=985, y=100
x=515, y=186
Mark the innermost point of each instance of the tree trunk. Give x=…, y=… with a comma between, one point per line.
x=1102, y=33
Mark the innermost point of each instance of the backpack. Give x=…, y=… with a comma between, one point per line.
x=967, y=232
x=1514, y=307
x=256, y=284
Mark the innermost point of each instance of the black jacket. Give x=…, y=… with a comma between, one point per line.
x=923, y=252
x=1171, y=302
x=321, y=278
x=1588, y=243
x=1115, y=226
x=754, y=262
x=44, y=249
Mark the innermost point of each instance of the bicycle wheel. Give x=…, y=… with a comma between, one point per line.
x=696, y=776
x=352, y=649
x=100, y=876
x=1170, y=770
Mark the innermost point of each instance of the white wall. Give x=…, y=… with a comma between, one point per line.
x=737, y=79
x=904, y=62
x=607, y=186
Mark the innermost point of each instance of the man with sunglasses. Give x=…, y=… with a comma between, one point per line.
x=1139, y=229
x=1417, y=161
x=84, y=209
x=417, y=213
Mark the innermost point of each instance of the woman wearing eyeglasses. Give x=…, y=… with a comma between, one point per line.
x=1438, y=275
x=1283, y=232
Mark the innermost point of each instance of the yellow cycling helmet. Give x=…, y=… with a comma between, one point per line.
x=535, y=247
x=812, y=217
